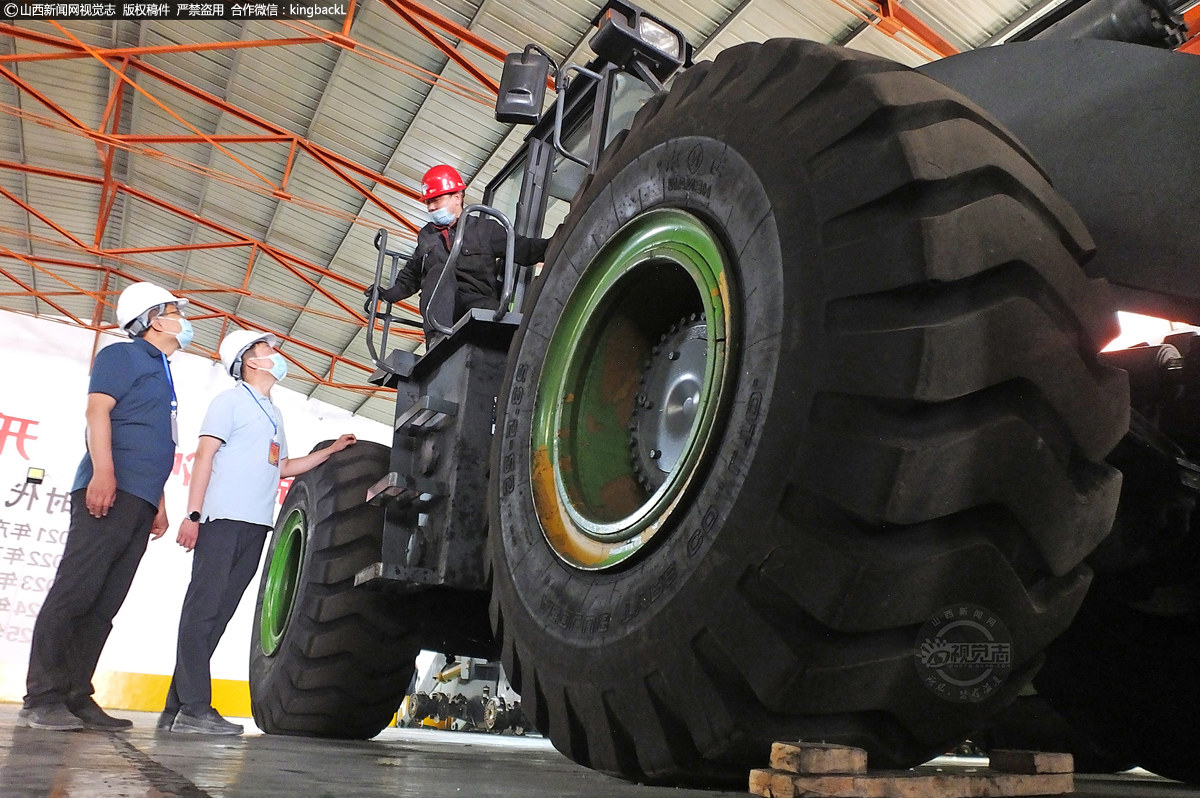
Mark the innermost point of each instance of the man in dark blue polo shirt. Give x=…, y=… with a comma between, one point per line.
x=116, y=505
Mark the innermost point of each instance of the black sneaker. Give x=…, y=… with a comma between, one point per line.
x=97, y=719
x=53, y=717
x=210, y=722
x=165, y=720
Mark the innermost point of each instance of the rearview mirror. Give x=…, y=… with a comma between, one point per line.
x=522, y=87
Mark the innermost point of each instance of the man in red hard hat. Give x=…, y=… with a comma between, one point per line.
x=478, y=276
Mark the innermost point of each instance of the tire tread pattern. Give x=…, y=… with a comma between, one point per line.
x=959, y=348
x=348, y=654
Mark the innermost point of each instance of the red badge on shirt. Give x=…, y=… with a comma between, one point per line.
x=273, y=455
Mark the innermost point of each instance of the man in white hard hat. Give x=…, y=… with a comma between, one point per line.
x=116, y=506
x=241, y=456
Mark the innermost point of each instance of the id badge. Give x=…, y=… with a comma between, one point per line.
x=174, y=428
x=273, y=455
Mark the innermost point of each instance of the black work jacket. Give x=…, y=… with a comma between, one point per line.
x=479, y=274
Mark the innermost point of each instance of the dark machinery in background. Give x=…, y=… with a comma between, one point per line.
x=1156, y=23
x=1114, y=128
x=812, y=357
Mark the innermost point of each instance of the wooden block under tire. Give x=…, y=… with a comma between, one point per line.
x=916, y=783
x=1006, y=761
x=818, y=758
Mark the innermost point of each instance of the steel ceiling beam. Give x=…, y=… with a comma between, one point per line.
x=185, y=267
x=40, y=295
x=133, y=52
x=893, y=19
x=289, y=262
x=893, y=14
x=1191, y=18
x=212, y=289
x=215, y=311
x=449, y=50
x=281, y=134
x=463, y=34
x=126, y=64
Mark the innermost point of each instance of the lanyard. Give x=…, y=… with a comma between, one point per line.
x=171, y=382
x=270, y=417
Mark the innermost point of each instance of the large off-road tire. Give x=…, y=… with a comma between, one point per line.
x=900, y=409
x=328, y=659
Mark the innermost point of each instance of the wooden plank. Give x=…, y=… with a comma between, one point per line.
x=916, y=783
x=1007, y=761
x=818, y=758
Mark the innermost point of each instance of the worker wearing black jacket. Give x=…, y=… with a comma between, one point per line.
x=477, y=278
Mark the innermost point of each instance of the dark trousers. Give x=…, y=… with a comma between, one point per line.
x=93, y=578
x=223, y=563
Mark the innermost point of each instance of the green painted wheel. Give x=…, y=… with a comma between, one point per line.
x=633, y=381
x=283, y=577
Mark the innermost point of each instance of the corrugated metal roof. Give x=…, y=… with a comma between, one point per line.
x=372, y=105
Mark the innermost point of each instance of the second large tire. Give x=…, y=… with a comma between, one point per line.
x=329, y=659
x=910, y=416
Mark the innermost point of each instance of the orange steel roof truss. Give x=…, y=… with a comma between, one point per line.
x=889, y=16
x=127, y=62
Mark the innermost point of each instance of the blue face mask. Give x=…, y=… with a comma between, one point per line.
x=278, y=365
x=185, y=334
x=442, y=217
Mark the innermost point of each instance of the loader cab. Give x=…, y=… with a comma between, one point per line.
x=637, y=53
x=535, y=189
x=433, y=492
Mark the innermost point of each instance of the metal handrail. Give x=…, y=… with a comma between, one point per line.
x=452, y=263
x=373, y=313
x=560, y=101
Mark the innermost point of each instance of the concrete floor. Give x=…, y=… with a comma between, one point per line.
x=423, y=763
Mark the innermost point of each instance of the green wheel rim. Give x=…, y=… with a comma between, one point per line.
x=283, y=577
x=591, y=506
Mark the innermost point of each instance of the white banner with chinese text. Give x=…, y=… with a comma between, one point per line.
x=44, y=369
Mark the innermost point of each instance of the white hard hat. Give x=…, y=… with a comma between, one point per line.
x=234, y=345
x=139, y=298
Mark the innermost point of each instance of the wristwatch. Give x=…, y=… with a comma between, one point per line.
x=194, y=516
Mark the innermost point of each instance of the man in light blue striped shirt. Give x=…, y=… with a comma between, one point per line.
x=240, y=458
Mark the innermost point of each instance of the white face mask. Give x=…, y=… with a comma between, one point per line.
x=278, y=365
x=184, y=334
x=442, y=216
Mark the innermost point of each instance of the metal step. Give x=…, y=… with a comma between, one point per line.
x=388, y=576
x=425, y=415
x=404, y=490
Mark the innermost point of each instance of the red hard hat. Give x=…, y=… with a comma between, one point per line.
x=441, y=180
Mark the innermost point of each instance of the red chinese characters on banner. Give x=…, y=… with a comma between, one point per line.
x=284, y=485
x=33, y=530
x=18, y=430
x=183, y=467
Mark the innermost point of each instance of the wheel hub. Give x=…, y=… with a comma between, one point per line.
x=631, y=388
x=283, y=581
x=668, y=400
